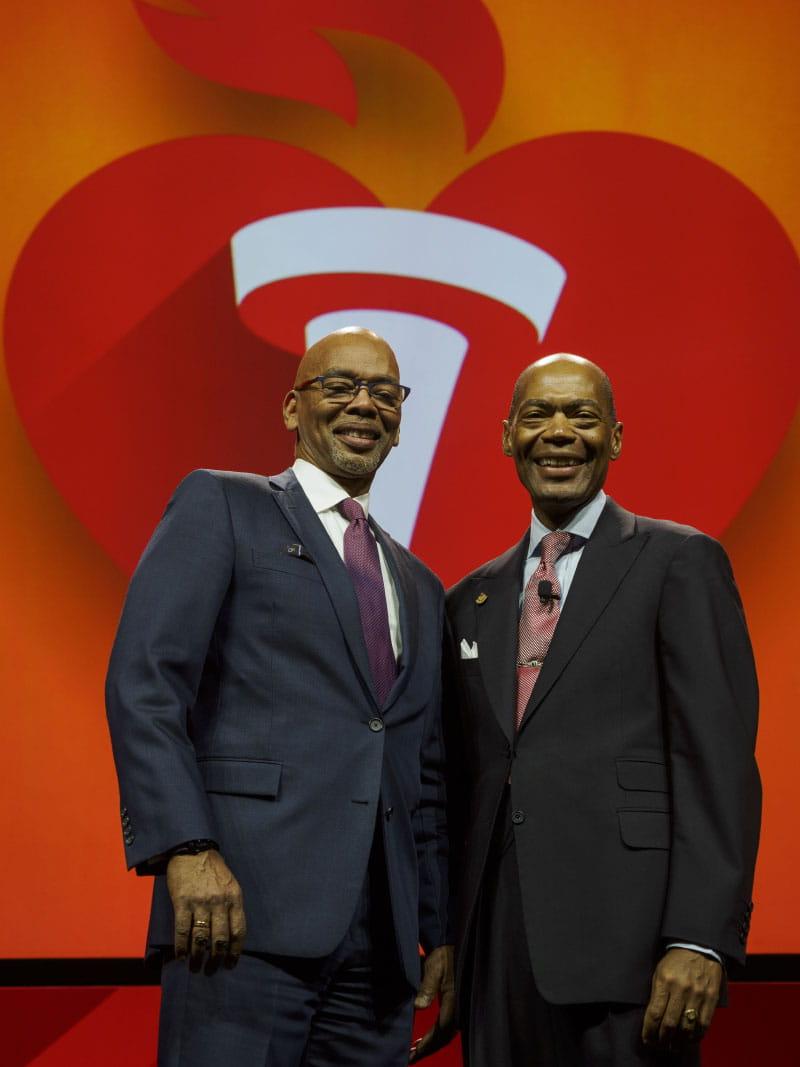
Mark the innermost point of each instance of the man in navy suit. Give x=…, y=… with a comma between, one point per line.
x=609, y=703
x=274, y=703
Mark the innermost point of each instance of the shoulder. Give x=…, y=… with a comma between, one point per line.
x=243, y=480
x=665, y=529
x=680, y=546
x=205, y=481
x=212, y=496
x=676, y=535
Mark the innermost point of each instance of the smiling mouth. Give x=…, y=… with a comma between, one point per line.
x=358, y=437
x=559, y=461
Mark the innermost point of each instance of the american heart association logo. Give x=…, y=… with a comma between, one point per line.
x=156, y=314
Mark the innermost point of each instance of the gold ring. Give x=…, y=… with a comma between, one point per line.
x=690, y=1015
x=199, y=922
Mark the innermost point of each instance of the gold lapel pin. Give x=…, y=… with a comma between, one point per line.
x=481, y=598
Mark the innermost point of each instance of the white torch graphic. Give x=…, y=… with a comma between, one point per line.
x=407, y=244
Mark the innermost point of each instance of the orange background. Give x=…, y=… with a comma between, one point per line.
x=83, y=85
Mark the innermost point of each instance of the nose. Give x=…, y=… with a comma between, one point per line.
x=559, y=430
x=362, y=402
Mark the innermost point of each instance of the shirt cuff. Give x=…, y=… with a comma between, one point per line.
x=697, y=948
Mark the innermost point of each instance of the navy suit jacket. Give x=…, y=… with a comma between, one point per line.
x=633, y=781
x=241, y=709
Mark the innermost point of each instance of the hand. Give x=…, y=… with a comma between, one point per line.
x=209, y=914
x=438, y=979
x=682, y=980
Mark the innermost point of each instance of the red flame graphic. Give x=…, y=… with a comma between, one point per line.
x=269, y=46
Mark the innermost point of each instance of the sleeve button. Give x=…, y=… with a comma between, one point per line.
x=517, y=817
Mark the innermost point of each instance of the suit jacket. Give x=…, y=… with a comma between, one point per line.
x=634, y=789
x=242, y=709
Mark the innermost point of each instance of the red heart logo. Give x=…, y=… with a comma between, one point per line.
x=131, y=362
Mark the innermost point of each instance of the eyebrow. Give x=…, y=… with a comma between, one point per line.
x=342, y=373
x=579, y=402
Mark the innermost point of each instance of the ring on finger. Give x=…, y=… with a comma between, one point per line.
x=689, y=1017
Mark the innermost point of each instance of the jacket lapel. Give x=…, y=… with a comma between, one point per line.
x=606, y=559
x=409, y=609
x=497, y=622
x=302, y=518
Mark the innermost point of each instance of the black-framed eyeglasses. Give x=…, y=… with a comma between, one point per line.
x=341, y=389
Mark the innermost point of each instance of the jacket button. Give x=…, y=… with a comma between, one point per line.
x=517, y=817
x=376, y=725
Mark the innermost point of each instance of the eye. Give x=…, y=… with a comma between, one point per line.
x=338, y=386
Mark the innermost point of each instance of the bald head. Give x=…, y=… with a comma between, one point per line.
x=562, y=434
x=349, y=342
x=568, y=360
x=348, y=436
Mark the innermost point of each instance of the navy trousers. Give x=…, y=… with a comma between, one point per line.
x=353, y=1008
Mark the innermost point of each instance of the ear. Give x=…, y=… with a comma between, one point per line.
x=290, y=410
x=396, y=440
x=616, y=441
x=506, y=437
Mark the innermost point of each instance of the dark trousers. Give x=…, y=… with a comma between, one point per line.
x=352, y=1008
x=509, y=1023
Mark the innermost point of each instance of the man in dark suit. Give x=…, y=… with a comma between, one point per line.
x=608, y=701
x=274, y=704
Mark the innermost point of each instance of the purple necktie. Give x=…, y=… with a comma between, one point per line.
x=361, y=560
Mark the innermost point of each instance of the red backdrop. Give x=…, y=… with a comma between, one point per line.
x=644, y=148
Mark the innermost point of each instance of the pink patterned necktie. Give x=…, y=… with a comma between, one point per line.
x=538, y=620
x=362, y=561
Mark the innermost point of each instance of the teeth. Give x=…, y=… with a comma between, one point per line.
x=365, y=435
x=551, y=461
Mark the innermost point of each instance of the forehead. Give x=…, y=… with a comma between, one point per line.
x=564, y=382
x=360, y=356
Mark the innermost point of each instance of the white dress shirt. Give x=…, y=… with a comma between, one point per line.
x=582, y=524
x=325, y=494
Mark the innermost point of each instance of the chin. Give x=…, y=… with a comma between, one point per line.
x=560, y=503
x=556, y=494
x=352, y=464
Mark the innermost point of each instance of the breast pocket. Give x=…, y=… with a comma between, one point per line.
x=282, y=561
x=470, y=668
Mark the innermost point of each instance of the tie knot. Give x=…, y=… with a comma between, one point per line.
x=352, y=510
x=553, y=545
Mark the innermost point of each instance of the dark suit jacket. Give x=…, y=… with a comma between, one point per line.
x=241, y=709
x=633, y=780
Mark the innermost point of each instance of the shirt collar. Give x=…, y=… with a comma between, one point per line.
x=324, y=493
x=581, y=525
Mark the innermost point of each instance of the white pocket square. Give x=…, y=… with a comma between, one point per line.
x=469, y=651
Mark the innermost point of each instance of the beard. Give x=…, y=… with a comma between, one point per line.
x=356, y=465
